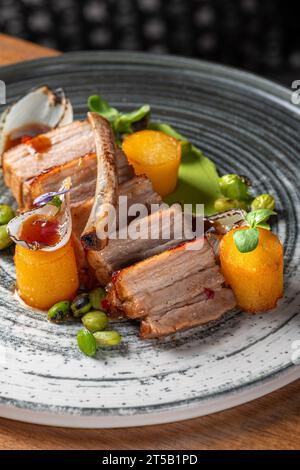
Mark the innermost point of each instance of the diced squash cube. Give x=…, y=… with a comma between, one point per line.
x=256, y=277
x=156, y=155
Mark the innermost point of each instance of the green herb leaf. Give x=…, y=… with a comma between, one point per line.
x=167, y=129
x=100, y=106
x=124, y=121
x=56, y=201
x=264, y=225
x=246, y=240
x=259, y=216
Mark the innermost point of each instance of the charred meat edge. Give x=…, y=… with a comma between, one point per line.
x=106, y=185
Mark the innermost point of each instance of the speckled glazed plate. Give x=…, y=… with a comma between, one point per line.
x=246, y=125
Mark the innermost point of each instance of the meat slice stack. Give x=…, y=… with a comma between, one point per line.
x=70, y=151
x=164, y=281
x=24, y=162
x=92, y=265
x=175, y=290
x=82, y=170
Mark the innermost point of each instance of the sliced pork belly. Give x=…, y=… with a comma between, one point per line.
x=82, y=170
x=199, y=312
x=177, y=289
x=95, y=235
x=120, y=253
x=60, y=146
x=138, y=190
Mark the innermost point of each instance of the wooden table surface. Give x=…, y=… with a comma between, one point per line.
x=271, y=422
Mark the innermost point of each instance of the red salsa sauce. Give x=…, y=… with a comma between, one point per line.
x=41, y=230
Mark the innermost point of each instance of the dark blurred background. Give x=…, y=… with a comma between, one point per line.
x=257, y=35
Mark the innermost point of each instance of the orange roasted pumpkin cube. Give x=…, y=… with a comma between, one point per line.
x=256, y=277
x=44, y=278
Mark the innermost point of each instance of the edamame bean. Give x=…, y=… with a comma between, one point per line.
x=234, y=187
x=81, y=305
x=95, y=321
x=264, y=201
x=96, y=296
x=5, y=240
x=86, y=342
x=60, y=311
x=6, y=214
x=107, y=338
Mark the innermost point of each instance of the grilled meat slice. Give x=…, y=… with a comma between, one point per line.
x=80, y=213
x=138, y=190
x=122, y=252
x=82, y=170
x=26, y=161
x=125, y=171
x=106, y=185
x=202, y=311
x=177, y=289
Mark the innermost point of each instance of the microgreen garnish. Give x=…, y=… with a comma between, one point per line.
x=122, y=123
x=50, y=198
x=56, y=201
x=127, y=123
x=260, y=216
x=100, y=106
x=246, y=240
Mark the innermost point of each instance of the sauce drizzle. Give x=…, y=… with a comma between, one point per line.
x=25, y=135
x=41, y=230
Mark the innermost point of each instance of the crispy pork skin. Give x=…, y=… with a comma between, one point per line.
x=106, y=185
x=175, y=290
x=24, y=162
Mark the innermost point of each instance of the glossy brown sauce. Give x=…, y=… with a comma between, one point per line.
x=40, y=230
x=25, y=135
x=40, y=144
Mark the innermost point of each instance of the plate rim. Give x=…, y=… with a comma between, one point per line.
x=204, y=407
x=111, y=55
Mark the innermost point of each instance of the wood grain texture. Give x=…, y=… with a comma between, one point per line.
x=271, y=422
x=14, y=50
